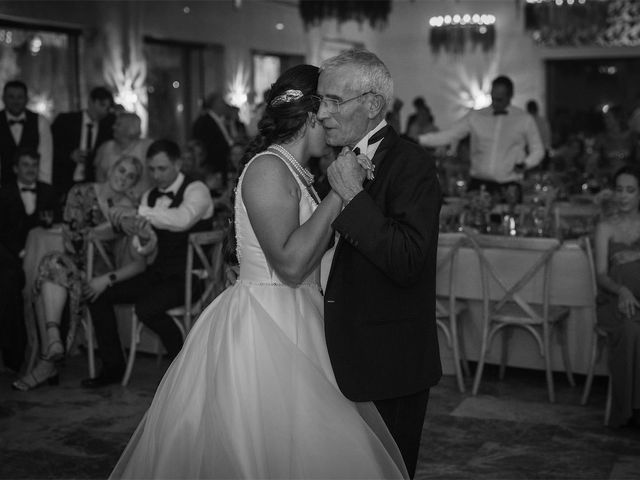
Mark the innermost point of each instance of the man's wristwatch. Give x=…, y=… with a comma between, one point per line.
x=112, y=278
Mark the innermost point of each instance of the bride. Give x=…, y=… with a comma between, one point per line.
x=252, y=393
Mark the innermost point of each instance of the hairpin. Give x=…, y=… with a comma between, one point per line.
x=286, y=97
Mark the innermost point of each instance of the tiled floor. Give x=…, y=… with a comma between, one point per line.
x=508, y=431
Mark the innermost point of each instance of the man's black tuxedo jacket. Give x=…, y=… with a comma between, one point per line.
x=14, y=221
x=67, y=131
x=208, y=132
x=380, y=296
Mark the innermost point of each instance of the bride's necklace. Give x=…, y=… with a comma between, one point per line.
x=305, y=175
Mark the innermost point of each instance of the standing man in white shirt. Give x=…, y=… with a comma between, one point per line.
x=168, y=213
x=504, y=140
x=22, y=128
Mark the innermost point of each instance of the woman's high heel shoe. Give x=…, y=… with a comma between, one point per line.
x=44, y=371
x=55, y=348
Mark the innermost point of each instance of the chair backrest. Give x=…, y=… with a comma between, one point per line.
x=574, y=218
x=450, y=244
x=519, y=283
x=95, y=246
x=585, y=243
x=204, y=261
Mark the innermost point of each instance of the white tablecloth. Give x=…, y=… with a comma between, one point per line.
x=570, y=286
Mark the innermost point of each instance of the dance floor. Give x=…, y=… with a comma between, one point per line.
x=509, y=431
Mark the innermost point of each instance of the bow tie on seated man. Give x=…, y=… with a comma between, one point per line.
x=16, y=121
x=177, y=206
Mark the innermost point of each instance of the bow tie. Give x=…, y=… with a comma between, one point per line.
x=156, y=194
x=13, y=122
x=500, y=112
x=376, y=137
x=28, y=190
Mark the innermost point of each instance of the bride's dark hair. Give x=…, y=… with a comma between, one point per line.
x=282, y=119
x=284, y=115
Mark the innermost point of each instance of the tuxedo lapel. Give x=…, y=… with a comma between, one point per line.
x=389, y=140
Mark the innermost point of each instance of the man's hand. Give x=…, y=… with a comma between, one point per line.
x=79, y=156
x=346, y=175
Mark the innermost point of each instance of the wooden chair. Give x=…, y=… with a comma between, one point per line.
x=94, y=247
x=519, y=301
x=448, y=310
x=209, y=270
x=571, y=219
x=598, y=337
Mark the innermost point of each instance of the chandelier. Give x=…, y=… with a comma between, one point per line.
x=376, y=12
x=456, y=33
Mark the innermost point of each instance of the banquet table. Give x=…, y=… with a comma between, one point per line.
x=570, y=286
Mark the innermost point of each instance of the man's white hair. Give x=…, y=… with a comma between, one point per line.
x=373, y=75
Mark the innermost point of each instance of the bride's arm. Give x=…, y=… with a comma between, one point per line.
x=271, y=196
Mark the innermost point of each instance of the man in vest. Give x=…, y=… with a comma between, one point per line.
x=168, y=213
x=22, y=128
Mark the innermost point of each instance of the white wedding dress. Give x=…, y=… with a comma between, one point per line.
x=252, y=393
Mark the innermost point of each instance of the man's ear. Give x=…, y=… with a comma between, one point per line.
x=375, y=105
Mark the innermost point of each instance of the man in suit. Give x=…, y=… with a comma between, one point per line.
x=177, y=206
x=22, y=128
x=20, y=206
x=380, y=295
x=211, y=129
x=76, y=138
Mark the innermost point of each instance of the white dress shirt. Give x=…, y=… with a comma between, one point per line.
x=45, y=146
x=363, y=144
x=28, y=198
x=196, y=205
x=498, y=142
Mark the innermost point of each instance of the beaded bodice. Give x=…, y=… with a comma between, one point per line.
x=254, y=267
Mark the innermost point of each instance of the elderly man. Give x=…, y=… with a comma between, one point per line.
x=380, y=295
x=504, y=141
x=76, y=138
x=22, y=128
x=168, y=213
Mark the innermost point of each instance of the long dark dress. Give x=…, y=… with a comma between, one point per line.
x=623, y=335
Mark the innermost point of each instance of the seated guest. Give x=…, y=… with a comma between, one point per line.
x=126, y=141
x=24, y=205
x=617, y=251
x=60, y=274
x=168, y=213
x=77, y=137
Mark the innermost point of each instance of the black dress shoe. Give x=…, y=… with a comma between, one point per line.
x=102, y=380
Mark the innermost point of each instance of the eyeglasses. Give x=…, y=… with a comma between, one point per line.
x=332, y=105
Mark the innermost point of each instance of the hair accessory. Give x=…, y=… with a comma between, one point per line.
x=286, y=97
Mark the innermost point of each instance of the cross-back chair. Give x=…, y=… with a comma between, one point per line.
x=94, y=248
x=598, y=336
x=520, y=300
x=449, y=309
x=204, y=263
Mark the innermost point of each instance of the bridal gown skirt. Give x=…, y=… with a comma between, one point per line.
x=253, y=395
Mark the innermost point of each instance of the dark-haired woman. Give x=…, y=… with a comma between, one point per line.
x=252, y=393
x=617, y=249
